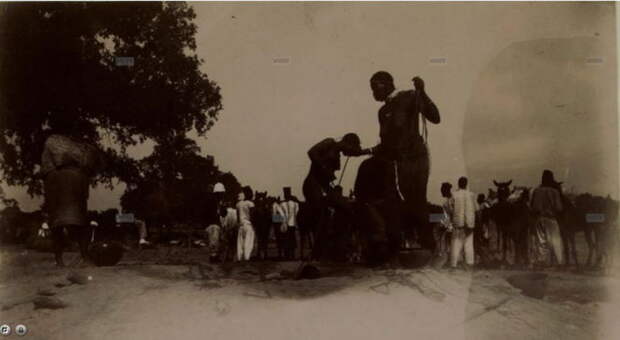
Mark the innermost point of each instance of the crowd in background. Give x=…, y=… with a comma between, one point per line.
x=537, y=228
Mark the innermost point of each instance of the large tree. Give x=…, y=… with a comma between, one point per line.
x=175, y=183
x=61, y=60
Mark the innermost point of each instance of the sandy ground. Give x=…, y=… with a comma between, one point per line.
x=142, y=300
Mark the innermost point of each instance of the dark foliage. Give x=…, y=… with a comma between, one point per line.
x=58, y=65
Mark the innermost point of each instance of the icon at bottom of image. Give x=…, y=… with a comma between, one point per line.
x=21, y=330
x=5, y=330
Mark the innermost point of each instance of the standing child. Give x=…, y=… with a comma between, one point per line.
x=245, y=239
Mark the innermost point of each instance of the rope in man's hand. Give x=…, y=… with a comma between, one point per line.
x=343, y=170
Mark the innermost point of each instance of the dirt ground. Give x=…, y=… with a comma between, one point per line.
x=151, y=296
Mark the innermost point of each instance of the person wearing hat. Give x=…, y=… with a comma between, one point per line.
x=214, y=230
x=546, y=204
x=219, y=188
x=401, y=158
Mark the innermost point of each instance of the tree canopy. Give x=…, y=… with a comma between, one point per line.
x=175, y=183
x=59, y=62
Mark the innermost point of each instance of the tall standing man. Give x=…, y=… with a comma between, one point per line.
x=464, y=223
x=546, y=204
x=402, y=157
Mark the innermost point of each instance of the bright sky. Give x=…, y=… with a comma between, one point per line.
x=274, y=112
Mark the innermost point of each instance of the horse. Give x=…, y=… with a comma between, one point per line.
x=596, y=217
x=513, y=219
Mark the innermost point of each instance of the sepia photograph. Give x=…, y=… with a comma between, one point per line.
x=309, y=170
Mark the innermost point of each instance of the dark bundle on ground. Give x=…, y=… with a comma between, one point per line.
x=106, y=253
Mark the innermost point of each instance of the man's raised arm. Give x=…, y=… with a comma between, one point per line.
x=425, y=104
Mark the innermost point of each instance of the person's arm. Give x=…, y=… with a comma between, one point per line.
x=47, y=162
x=368, y=151
x=424, y=102
x=472, y=211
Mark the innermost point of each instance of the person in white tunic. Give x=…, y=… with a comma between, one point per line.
x=464, y=220
x=245, y=238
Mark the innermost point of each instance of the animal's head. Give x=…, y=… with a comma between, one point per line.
x=260, y=196
x=503, y=189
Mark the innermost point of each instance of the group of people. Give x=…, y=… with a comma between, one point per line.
x=390, y=186
x=465, y=229
x=456, y=231
x=237, y=226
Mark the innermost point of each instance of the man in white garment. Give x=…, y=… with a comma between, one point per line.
x=245, y=238
x=464, y=221
x=290, y=209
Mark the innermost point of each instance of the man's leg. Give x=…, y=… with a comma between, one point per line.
x=540, y=241
x=413, y=180
x=142, y=233
x=457, y=247
x=240, y=243
x=211, y=239
x=266, y=239
x=279, y=240
x=397, y=219
x=85, y=236
x=249, y=241
x=58, y=237
x=231, y=245
x=377, y=240
x=291, y=242
x=82, y=235
x=555, y=240
x=316, y=203
x=469, y=249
